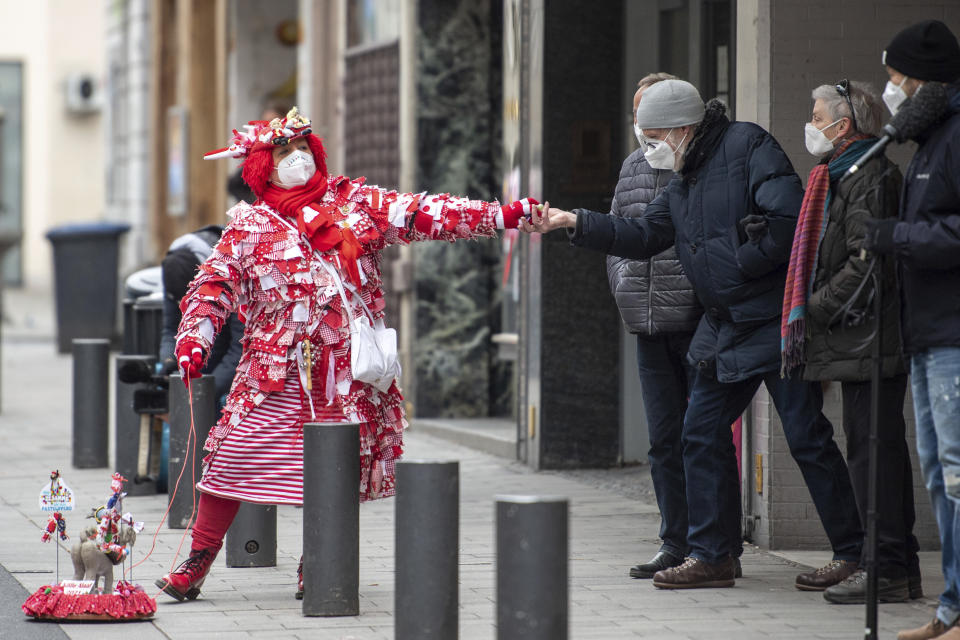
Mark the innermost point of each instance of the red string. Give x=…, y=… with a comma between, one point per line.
x=191, y=438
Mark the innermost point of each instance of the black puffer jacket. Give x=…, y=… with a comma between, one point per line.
x=834, y=350
x=730, y=171
x=654, y=297
x=927, y=238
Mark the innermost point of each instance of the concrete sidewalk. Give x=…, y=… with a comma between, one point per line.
x=609, y=532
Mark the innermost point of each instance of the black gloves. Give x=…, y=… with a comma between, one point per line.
x=879, y=237
x=756, y=226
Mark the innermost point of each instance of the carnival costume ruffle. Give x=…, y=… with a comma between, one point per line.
x=127, y=602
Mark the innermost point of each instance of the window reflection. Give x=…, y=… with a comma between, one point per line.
x=372, y=21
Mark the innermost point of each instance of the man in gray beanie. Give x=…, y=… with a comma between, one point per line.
x=730, y=211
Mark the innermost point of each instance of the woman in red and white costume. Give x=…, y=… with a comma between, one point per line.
x=273, y=264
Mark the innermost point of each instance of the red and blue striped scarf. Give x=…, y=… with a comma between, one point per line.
x=811, y=224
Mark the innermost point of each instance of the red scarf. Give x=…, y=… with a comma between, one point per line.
x=321, y=230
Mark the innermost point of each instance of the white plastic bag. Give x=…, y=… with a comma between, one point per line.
x=373, y=353
x=373, y=346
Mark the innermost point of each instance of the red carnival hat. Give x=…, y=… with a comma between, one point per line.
x=260, y=134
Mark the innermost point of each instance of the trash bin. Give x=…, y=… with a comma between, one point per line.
x=143, y=283
x=147, y=324
x=140, y=283
x=85, y=264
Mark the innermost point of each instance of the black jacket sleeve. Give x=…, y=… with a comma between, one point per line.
x=777, y=194
x=636, y=238
x=935, y=244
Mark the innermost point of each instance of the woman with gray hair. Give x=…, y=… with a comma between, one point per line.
x=828, y=327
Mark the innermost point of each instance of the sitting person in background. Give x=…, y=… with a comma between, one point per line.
x=179, y=267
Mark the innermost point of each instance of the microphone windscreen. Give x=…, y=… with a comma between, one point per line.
x=920, y=112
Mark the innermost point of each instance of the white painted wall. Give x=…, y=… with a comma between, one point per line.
x=258, y=62
x=63, y=154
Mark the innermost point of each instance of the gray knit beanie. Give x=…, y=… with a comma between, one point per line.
x=668, y=104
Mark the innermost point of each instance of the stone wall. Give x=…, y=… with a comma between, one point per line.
x=458, y=151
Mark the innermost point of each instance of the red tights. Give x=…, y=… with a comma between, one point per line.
x=214, y=515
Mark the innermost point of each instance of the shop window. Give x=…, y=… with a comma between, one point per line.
x=11, y=161
x=675, y=38
x=717, y=50
x=372, y=22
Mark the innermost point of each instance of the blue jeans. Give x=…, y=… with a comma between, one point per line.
x=936, y=399
x=710, y=464
x=665, y=380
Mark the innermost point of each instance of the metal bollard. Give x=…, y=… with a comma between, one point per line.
x=91, y=397
x=128, y=427
x=426, y=596
x=532, y=568
x=331, y=519
x=182, y=500
x=252, y=537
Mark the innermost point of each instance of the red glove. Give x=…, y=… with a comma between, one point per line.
x=189, y=360
x=512, y=213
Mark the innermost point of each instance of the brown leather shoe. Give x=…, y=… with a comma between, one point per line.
x=835, y=572
x=933, y=629
x=697, y=574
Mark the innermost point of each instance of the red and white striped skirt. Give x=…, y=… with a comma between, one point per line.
x=261, y=459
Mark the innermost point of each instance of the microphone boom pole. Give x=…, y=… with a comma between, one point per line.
x=873, y=447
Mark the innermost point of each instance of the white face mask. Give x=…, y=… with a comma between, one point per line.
x=661, y=155
x=894, y=95
x=637, y=131
x=295, y=170
x=817, y=142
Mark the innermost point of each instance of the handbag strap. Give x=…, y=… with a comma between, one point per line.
x=353, y=290
x=332, y=272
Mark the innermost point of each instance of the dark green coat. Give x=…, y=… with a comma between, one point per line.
x=835, y=352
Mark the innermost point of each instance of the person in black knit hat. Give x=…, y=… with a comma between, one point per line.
x=925, y=241
x=927, y=50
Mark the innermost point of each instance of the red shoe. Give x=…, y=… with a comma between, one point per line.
x=299, y=594
x=183, y=583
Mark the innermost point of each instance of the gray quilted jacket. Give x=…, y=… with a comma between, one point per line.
x=653, y=295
